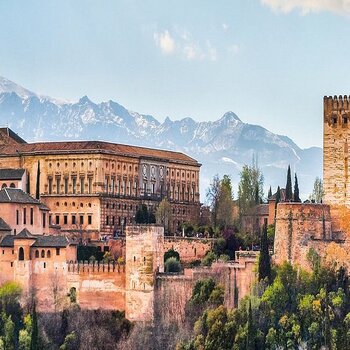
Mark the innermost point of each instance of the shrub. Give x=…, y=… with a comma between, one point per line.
x=171, y=253
x=172, y=265
x=209, y=258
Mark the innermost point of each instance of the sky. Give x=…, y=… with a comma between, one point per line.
x=269, y=61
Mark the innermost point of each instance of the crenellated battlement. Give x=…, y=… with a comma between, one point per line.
x=336, y=110
x=94, y=267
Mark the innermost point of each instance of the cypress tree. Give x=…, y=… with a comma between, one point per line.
x=264, y=257
x=256, y=194
x=278, y=199
x=34, y=342
x=250, y=339
x=37, y=193
x=296, y=197
x=289, y=194
x=270, y=193
x=28, y=183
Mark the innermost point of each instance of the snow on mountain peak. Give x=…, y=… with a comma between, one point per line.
x=9, y=86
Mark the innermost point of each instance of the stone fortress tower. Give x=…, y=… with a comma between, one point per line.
x=336, y=138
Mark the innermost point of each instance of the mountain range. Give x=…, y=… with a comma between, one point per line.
x=222, y=146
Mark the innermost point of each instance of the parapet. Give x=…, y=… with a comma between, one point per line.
x=336, y=110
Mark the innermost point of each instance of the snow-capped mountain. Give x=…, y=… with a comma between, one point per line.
x=222, y=146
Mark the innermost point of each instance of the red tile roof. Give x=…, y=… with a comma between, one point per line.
x=9, y=146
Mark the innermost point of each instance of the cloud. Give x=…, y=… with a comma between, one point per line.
x=309, y=6
x=225, y=27
x=183, y=45
x=165, y=42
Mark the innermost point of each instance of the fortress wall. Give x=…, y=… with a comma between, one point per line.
x=172, y=292
x=300, y=227
x=189, y=248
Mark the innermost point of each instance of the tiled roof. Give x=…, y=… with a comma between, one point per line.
x=283, y=195
x=10, y=136
x=52, y=241
x=40, y=241
x=24, y=234
x=11, y=148
x=11, y=174
x=7, y=241
x=4, y=226
x=16, y=195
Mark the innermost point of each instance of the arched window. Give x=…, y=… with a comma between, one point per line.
x=48, y=254
x=3, y=186
x=12, y=185
x=20, y=254
x=43, y=253
x=37, y=253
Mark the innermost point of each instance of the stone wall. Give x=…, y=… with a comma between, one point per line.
x=172, y=292
x=300, y=227
x=190, y=249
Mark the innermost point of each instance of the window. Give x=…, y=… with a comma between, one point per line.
x=106, y=184
x=66, y=185
x=17, y=217
x=74, y=189
x=12, y=185
x=81, y=219
x=21, y=254
x=73, y=220
x=44, y=265
x=90, y=184
x=57, y=251
x=107, y=220
x=145, y=187
x=37, y=253
x=345, y=119
x=43, y=253
x=153, y=187
x=49, y=254
x=44, y=220
x=89, y=219
x=81, y=185
x=50, y=219
x=31, y=216
x=113, y=185
x=58, y=183
x=50, y=185
x=124, y=187
x=57, y=219
x=65, y=220
x=24, y=216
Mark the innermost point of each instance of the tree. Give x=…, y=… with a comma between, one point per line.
x=317, y=192
x=172, y=265
x=164, y=215
x=225, y=203
x=289, y=193
x=9, y=332
x=35, y=331
x=269, y=193
x=250, y=188
x=296, y=197
x=37, y=192
x=144, y=216
x=213, y=194
x=250, y=337
x=25, y=334
x=264, y=257
x=278, y=199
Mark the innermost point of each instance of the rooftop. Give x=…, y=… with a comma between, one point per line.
x=11, y=174
x=39, y=240
x=16, y=195
x=10, y=146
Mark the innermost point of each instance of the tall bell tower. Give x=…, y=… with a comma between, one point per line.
x=336, y=139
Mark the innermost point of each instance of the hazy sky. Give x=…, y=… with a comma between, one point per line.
x=269, y=61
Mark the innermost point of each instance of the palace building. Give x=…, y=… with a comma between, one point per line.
x=94, y=188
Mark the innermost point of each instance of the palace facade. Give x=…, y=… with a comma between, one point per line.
x=95, y=188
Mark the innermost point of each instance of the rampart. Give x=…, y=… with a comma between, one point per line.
x=300, y=227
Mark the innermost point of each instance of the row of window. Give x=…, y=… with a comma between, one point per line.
x=24, y=216
x=36, y=254
x=74, y=219
x=69, y=187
